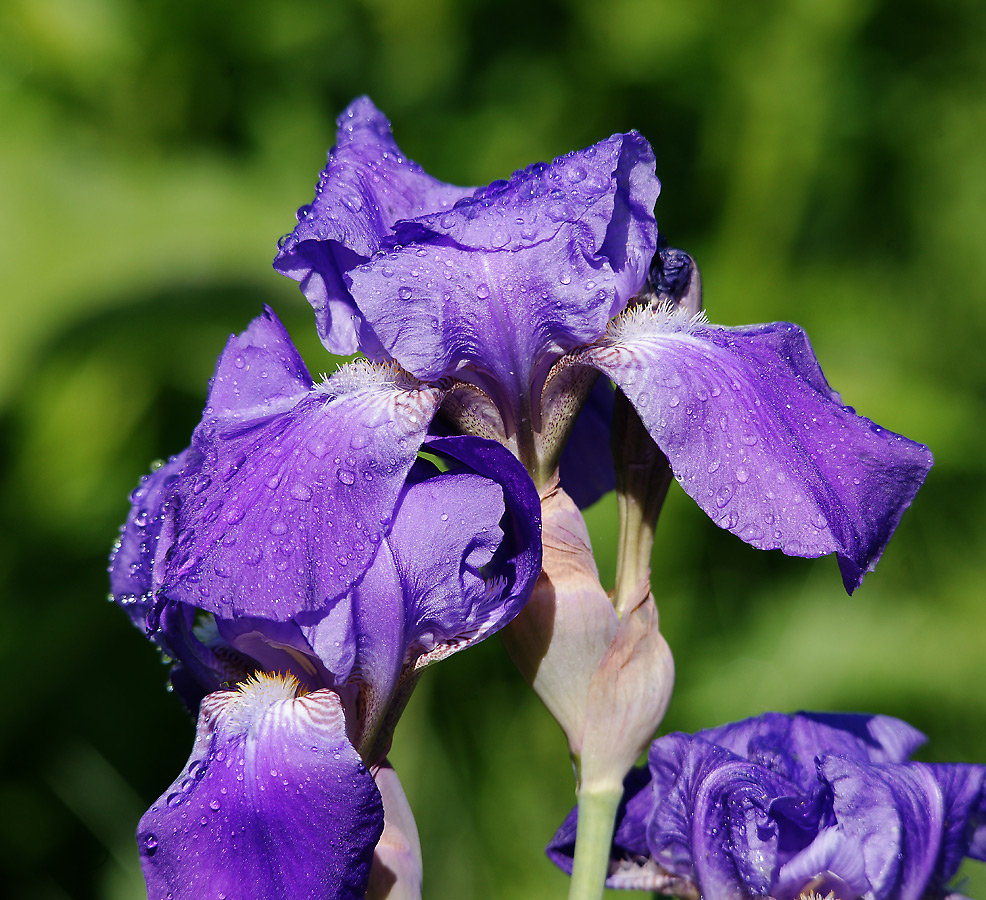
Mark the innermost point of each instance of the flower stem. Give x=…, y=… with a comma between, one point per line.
x=593, y=839
x=643, y=476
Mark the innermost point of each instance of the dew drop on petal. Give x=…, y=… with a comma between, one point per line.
x=300, y=491
x=724, y=495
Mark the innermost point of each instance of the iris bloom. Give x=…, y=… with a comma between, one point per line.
x=517, y=295
x=301, y=564
x=803, y=806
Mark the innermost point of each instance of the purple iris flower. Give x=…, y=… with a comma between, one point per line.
x=790, y=807
x=300, y=564
x=517, y=295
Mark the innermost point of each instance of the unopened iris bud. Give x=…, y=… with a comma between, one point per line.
x=568, y=624
x=607, y=682
x=628, y=697
x=396, y=871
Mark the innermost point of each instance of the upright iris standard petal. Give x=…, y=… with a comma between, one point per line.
x=459, y=563
x=519, y=271
x=732, y=812
x=366, y=187
x=443, y=540
x=267, y=769
x=295, y=483
x=759, y=440
x=516, y=564
x=788, y=745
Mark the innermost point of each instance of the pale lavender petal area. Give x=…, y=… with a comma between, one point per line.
x=266, y=768
x=367, y=186
x=743, y=818
x=518, y=273
x=295, y=483
x=759, y=440
x=396, y=872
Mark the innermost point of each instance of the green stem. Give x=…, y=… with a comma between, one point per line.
x=643, y=476
x=593, y=840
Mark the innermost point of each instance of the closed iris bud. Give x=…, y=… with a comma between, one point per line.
x=607, y=682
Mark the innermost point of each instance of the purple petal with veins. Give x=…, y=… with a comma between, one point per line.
x=788, y=745
x=732, y=812
x=517, y=274
x=296, y=483
x=759, y=440
x=366, y=187
x=267, y=767
x=459, y=564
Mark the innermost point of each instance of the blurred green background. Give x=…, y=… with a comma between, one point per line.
x=822, y=159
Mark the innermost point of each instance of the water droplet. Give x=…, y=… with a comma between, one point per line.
x=724, y=495
x=404, y=292
x=482, y=291
x=345, y=476
x=150, y=844
x=234, y=513
x=253, y=556
x=751, y=533
x=174, y=799
x=278, y=528
x=565, y=278
x=300, y=491
x=742, y=476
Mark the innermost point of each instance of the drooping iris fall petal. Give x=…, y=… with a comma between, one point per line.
x=294, y=484
x=759, y=440
x=267, y=769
